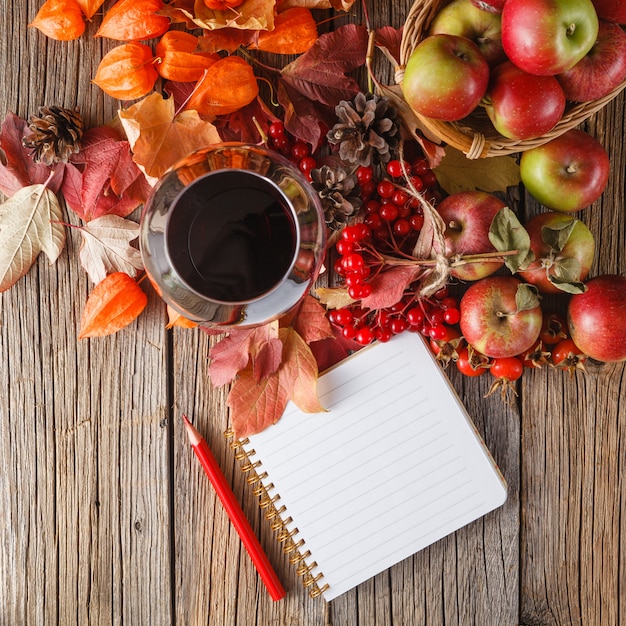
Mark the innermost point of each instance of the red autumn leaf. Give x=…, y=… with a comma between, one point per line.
x=232, y=353
x=243, y=125
x=311, y=86
x=17, y=168
x=102, y=179
x=388, y=39
x=267, y=359
x=127, y=72
x=134, y=20
x=329, y=352
x=113, y=304
x=310, y=321
x=389, y=285
x=257, y=405
x=60, y=19
x=228, y=85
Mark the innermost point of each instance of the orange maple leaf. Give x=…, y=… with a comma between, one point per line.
x=159, y=137
x=113, y=304
x=255, y=405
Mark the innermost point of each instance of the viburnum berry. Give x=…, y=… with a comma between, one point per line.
x=364, y=174
x=415, y=316
x=299, y=150
x=385, y=189
x=364, y=336
x=388, y=212
x=394, y=168
x=276, y=129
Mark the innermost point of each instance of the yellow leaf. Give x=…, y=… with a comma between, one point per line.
x=334, y=297
x=458, y=173
x=159, y=138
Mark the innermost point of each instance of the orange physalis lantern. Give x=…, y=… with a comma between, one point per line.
x=177, y=60
x=127, y=72
x=227, y=86
x=294, y=32
x=134, y=20
x=60, y=19
x=222, y=5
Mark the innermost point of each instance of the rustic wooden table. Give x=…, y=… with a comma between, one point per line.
x=105, y=516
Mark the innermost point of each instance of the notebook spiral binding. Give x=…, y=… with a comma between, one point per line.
x=274, y=512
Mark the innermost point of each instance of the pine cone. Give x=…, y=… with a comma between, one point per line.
x=338, y=192
x=368, y=130
x=56, y=134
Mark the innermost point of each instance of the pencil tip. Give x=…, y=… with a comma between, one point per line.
x=192, y=433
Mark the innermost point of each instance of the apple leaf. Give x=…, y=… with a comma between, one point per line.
x=557, y=236
x=458, y=173
x=526, y=297
x=106, y=247
x=507, y=235
x=566, y=275
x=29, y=224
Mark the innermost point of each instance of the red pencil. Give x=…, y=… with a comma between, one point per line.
x=235, y=512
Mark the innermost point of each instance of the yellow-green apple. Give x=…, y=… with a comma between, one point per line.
x=521, y=105
x=500, y=316
x=596, y=319
x=611, y=10
x=568, y=173
x=468, y=216
x=493, y=6
x=462, y=18
x=601, y=70
x=563, y=248
x=445, y=77
x=548, y=36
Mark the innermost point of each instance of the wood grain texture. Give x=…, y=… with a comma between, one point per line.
x=107, y=518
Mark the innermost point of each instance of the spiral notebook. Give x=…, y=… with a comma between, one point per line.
x=394, y=465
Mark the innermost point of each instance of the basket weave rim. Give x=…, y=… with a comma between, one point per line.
x=460, y=134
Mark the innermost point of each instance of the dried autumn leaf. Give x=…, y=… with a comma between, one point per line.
x=17, y=167
x=178, y=320
x=267, y=359
x=294, y=32
x=102, y=179
x=89, y=7
x=113, y=304
x=60, y=19
x=232, y=354
x=334, y=297
x=127, y=72
x=255, y=405
x=250, y=15
x=133, y=20
x=176, y=58
x=388, y=286
x=29, y=224
x=228, y=85
x=106, y=247
x=338, y=5
x=159, y=138
x=310, y=320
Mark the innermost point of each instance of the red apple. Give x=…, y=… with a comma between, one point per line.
x=601, y=70
x=468, y=216
x=462, y=18
x=493, y=6
x=567, y=173
x=500, y=317
x=596, y=319
x=611, y=10
x=548, y=36
x=445, y=77
x=564, y=250
x=521, y=105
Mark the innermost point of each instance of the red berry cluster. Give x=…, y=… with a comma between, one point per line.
x=393, y=214
x=295, y=150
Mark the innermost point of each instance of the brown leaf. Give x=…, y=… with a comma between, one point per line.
x=29, y=224
x=267, y=359
x=106, y=247
x=310, y=320
x=334, y=297
x=113, y=304
x=159, y=138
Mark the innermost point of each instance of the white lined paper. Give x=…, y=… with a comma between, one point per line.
x=393, y=465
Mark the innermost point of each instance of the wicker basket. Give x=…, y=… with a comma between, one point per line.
x=475, y=136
